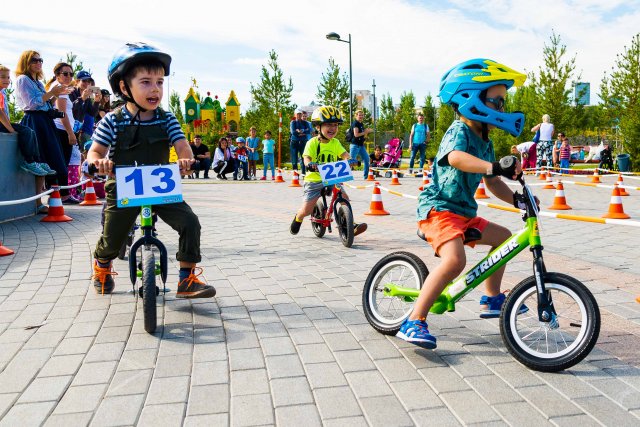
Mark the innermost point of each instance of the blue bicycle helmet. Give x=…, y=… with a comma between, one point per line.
x=465, y=84
x=240, y=139
x=130, y=55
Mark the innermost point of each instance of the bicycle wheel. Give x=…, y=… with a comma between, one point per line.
x=318, y=213
x=149, y=289
x=561, y=343
x=344, y=219
x=386, y=313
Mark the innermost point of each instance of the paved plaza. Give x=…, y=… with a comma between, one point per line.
x=285, y=341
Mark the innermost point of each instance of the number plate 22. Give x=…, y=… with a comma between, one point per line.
x=148, y=185
x=333, y=173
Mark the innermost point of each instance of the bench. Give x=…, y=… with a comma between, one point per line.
x=14, y=182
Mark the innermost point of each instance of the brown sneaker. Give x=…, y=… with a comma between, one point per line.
x=359, y=228
x=192, y=287
x=102, y=278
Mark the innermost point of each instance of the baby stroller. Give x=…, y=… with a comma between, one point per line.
x=392, y=155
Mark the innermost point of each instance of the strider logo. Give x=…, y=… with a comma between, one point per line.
x=490, y=262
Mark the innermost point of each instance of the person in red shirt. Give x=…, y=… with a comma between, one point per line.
x=241, y=156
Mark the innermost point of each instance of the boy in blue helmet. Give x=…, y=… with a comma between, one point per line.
x=476, y=89
x=140, y=132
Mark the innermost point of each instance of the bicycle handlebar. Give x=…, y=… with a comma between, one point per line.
x=92, y=170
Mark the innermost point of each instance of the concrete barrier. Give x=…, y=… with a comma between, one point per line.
x=14, y=182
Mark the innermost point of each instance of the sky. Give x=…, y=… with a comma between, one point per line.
x=404, y=45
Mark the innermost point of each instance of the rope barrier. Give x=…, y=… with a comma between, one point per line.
x=45, y=193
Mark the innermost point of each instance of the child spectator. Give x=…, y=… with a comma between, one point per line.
x=141, y=132
x=73, y=173
x=254, y=155
x=241, y=158
x=223, y=162
x=565, y=155
x=325, y=148
x=527, y=151
x=376, y=157
x=268, y=149
x=446, y=209
x=27, y=143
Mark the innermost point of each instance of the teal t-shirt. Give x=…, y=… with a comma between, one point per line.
x=268, y=146
x=451, y=189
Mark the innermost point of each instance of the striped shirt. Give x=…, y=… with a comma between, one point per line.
x=106, y=134
x=565, y=152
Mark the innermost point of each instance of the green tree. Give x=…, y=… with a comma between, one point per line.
x=15, y=114
x=444, y=118
x=175, y=105
x=620, y=92
x=270, y=97
x=334, y=88
x=387, y=114
x=76, y=65
x=406, y=115
x=553, y=85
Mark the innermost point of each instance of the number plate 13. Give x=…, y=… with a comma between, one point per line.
x=333, y=173
x=148, y=185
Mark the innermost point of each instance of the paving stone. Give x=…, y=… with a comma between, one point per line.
x=252, y=410
x=277, y=346
x=252, y=381
x=619, y=392
x=74, y=346
x=516, y=375
x=336, y=402
x=206, y=352
x=315, y=353
x=291, y=391
x=385, y=411
x=341, y=341
x=439, y=416
x=397, y=370
x=354, y=360
x=61, y=365
x=45, y=389
x=305, y=336
x=494, y=390
x=138, y=359
x=172, y=366
x=251, y=358
x=65, y=420
x=284, y=366
x=165, y=415
x=606, y=411
x=325, y=375
x=208, y=399
x=368, y=384
x=207, y=420
x=119, y=410
x=81, y=399
x=298, y=415
x=549, y=402
x=359, y=421
x=27, y=414
x=168, y=390
x=416, y=394
x=206, y=373
x=469, y=406
x=575, y=420
x=111, y=351
x=130, y=382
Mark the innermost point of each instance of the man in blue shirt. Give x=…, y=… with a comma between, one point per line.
x=300, y=134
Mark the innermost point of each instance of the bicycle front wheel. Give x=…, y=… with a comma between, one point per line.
x=149, y=289
x=386, y=313
x=565, y=340
x=344, y=218
x=318, y=213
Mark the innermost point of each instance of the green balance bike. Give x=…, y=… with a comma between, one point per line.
x=557, y=334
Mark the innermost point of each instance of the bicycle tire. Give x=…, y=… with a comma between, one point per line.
x=344, y=219
x=372, y=293
x=318, y=212
x=562, y=288
x=149, y=289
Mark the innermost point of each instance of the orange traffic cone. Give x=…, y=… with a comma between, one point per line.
x=543, y=176
x=615, y=206
x=549, y=185
x=595, y=178
x=559, y=201
x=376, y=207
x=90, y=198
x=4, y=251
x=295, y=181
x=371, y=177
x=480, y=193
x=620, y=182
x=394, y=178
x=279, y=176
x=56, y=210
x=425, y=180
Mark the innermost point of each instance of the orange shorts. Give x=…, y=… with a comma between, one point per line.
x=440, y=227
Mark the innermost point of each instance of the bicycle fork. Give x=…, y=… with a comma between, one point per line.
x=546, y=311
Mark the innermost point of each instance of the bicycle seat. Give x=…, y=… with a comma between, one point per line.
x=470, y=235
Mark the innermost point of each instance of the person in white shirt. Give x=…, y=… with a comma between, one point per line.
x=545, y=143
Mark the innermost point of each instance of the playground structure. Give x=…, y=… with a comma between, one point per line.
x=208, y=116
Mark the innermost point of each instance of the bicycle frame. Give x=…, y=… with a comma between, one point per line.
x=336, y=197
x=458, y=288
x=147, y=239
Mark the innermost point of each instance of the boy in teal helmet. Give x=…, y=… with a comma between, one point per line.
x=476, y=89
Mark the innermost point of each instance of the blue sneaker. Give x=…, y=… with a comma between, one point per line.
x=495, y=306
x=417, y=332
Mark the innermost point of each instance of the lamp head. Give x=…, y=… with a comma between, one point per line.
x=333, y=36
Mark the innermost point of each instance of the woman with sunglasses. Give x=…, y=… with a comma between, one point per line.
x=36, y=102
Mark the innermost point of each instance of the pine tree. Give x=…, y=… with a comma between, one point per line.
x=334, y=88
x=175, y=105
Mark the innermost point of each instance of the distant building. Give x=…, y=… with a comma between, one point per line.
x=582, y=93
x=364, y=99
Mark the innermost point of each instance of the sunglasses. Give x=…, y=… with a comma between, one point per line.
x=498, y=102
x=35, y=60
x=66, y=74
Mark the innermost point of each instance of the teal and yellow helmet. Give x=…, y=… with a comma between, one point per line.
x=465, y=86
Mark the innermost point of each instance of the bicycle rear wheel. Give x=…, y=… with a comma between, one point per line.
x=318, y=213
x=386, y=313
x=344, y=218
x=561, y=343
x=149, y=289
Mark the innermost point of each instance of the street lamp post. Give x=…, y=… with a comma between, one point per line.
x=374, y=112
x=336, y=37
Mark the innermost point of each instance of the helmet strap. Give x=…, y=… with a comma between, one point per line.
x=485, y=132
x=129, y=98
x=322, y=137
